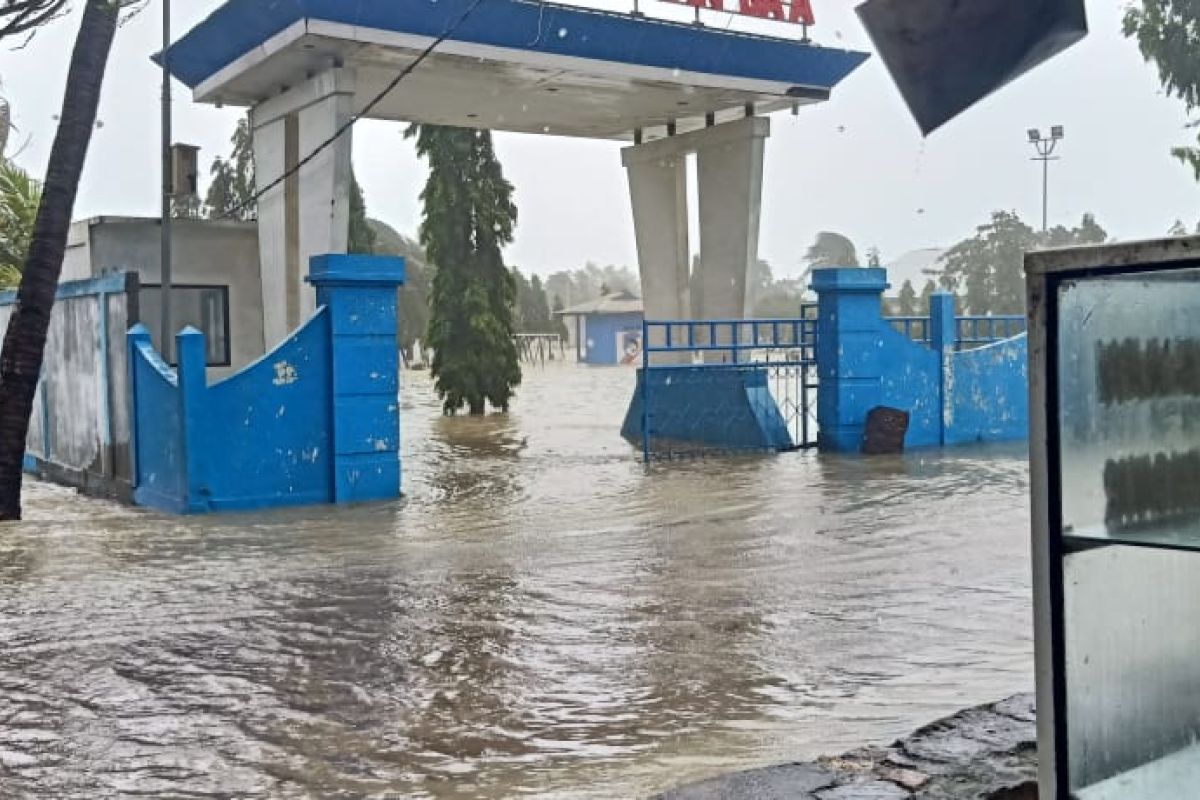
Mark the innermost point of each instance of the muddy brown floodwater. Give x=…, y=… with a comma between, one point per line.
x=540, y=617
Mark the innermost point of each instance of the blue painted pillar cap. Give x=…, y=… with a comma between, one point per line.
x=361, y=270
x=849, y=279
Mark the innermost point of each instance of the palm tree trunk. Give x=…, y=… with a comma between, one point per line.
x=25, y=339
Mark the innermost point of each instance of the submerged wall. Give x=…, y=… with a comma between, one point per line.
x=722, y=406
x=952, y=396
x=314, y=421
x=79, y=430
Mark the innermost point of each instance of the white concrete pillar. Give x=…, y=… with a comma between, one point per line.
x=730, y=174
x=309, y=214
x=324, y=184
x=270, y=162
x=658, y=191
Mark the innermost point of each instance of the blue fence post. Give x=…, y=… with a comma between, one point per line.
x=192, y=375
x=849, y=352
x=943, y=339
x=359, y=293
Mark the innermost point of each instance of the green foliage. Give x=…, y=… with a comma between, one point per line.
x=559, y=326
x=926, y=293
x=533, y=308
x=468, y=216
x=362, y=235
x=20, y=196
x=987, y=270
x=581, y=285
x=1167, y=33
x=414, y=294
x=906, y=301
x=232, y=187
x=831, y=250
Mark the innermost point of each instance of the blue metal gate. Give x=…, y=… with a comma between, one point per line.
x=719, y=386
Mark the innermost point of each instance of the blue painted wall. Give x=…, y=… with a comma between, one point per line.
x=600, y=336
x=987, y=393
x=314, y=421
x=718, y=405
x=952, y=397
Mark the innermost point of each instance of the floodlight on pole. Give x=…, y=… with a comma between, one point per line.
x=1045, y=148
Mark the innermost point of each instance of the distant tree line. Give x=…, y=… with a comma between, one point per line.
x=985, y=271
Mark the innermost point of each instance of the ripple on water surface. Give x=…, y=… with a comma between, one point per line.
x=540, y=616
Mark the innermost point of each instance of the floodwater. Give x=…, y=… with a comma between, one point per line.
x=540, y=617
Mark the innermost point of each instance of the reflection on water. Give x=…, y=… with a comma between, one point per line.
x=541, y=616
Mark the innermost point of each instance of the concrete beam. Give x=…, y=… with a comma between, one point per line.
x=308, y=214
x=730, y=170
x=294, y=99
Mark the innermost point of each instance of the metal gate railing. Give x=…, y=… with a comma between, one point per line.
x=720, y=386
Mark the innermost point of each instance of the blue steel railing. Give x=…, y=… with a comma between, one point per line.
x=780, y=343
x=730, y=336
x=970, y=331
x=981, y=330
x=915, y=328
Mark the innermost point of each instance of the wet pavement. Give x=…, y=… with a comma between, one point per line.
x=541, y=616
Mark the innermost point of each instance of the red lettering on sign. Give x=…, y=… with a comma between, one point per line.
x=801, y=12
x=797, y=11
x=767, y=9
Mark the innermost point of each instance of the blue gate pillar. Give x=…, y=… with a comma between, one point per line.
x=360, y=295
x=943, y=339
x=849, y=352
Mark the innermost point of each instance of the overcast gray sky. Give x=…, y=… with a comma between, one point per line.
x=856, y=164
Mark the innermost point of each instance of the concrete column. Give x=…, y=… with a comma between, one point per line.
x=324, y=183
x=730, y=176
x=658, y=192
x=309, y=214
x=276, y=220
x=359, y=293
x=849, y=352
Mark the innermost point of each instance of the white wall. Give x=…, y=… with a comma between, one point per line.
x=205, y=252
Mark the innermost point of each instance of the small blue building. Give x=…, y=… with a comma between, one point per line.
x=607, y=330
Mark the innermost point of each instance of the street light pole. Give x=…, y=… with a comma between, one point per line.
x=164, y=293
x=1045, y=148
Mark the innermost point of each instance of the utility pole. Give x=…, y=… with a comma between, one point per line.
x=1045, y=148
x=167, y=189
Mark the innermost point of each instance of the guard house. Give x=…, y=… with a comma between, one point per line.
x=607, y=330
x=307, y=68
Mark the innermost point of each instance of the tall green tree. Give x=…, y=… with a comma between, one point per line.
x=20, y=196
x=362, y=235
x=25, y=338
x=906, y=300
x=831, y=249
x=231, y=189
x=559, y=326
x=1168, y=35
x=987, y=270
x=468, y=216
x=926, y=293
x=414, y=294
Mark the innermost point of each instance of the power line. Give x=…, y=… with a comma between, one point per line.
x=231, y=213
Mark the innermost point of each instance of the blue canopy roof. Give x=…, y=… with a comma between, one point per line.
x=239, y=26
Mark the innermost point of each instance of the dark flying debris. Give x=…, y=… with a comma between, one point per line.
x=947, y=55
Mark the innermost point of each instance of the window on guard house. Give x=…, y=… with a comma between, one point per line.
x=205, y=308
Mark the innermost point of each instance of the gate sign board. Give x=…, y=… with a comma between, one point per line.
x=798, y=11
